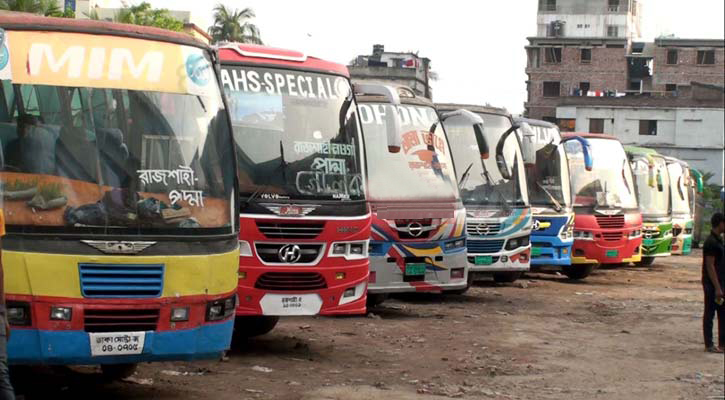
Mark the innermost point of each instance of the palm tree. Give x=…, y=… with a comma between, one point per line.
x=233, y=26
x=47, y=8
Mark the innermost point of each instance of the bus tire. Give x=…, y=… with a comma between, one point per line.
x=376, y=299
x=506, y=277
x=646, y=262
x=578, y=272
x=118, y=371
x=255, y=325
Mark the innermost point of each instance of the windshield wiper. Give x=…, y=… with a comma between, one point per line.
x=624, y=177
x=557, y=205
x=464, y=177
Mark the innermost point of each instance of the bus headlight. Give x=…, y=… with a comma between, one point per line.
x=245, y=250
x=515, y=243
x=350, y=250
x=180, y=314
x=61, y=313
x=18, y=313
x=455, y=244
x=583, y=235
x=635, y=234
x=218, y=310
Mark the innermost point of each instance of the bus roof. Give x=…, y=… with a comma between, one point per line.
x=673, y=160
x=569, y=135
x=20, y=21
x=641, y=150
x=537, y=122
x=406, y=94
x=244, y=53
x=473, y=108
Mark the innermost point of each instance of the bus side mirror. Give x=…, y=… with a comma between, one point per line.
x=528, y=150
x=698, y=180
x=501, y=163
x=587, y=150
x=481, y=141
x=477, y=122
x=392, y=122
x=660, y=184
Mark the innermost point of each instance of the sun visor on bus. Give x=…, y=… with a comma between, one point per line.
x=98, y=61
x=413, y=210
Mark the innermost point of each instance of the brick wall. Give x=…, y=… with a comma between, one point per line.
x=687, y=70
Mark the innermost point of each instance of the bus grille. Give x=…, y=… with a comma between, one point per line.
x=127, y=320
x=291, y=281
x=614, y=222
x=269, y=253
x=301, y=230
x=612, y=236
x=483, y=229
x=484, y=246
x=121, y=280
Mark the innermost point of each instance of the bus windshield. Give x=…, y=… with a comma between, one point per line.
x=548, y=178
x=297, y=134
x=422, y=170
x=680, y=194
x=96, y=155
x=609, y=184
x=652, y=200
x=481, y=182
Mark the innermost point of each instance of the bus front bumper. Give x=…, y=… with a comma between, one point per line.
x=45, y=347
x=600, y=252
x=656, y=247
x=505, y=261
x=389, y=277
x=550, y=250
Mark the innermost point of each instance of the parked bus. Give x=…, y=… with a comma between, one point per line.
x=304, y=219
x=118, y=183
x=682, y=218
x=652, y=182
x=494, y=192
x=608, y=223
x=547, y=177
x=418, y=240
x=696, y=205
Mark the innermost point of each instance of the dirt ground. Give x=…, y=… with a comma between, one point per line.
x=626, y=333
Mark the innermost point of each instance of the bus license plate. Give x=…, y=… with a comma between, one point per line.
x=415, y=269
x=291, y=304
x=116, y=343
x=612, y=253
x=483, y=260
x=535, y=251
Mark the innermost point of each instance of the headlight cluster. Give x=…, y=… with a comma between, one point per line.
x=455, y=244
x=350, y=250
x=635, y=234
x=567, y=232
x=583, y=235
x=221, y=309
x=245, y=250
x=515, y=243
x=18, y=313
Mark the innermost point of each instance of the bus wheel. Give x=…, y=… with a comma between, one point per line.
x=377, y=299
x=507, y=277
x=646, y=262
x=253, y=326
x=118, y=371
x=578, y=272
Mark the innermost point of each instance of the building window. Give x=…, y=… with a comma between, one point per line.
x=670, y=87
x=596, y=125
x=648, y=127
x=584, y=87
x=672, y=56
x=567, y=125
x=612, y=31
x=705, y=57
x=550, y=119
x=548, y=5
x=586, y=56
x=552, y=55
x=613, y=6
x=552, y=89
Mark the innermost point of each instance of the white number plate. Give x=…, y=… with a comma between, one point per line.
x=291, y=304
x=116, y=344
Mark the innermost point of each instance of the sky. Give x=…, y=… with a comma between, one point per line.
x=476, y=46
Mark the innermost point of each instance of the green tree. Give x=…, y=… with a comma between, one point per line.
x=48, y=8
x=232, y=25
x=143, y=14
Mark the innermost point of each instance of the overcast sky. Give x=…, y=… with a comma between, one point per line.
x=476, y=47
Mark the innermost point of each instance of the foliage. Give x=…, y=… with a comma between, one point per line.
x=50, y=191
x=232, y=25
x=143, y=14
x=18, y=185
x=711, y=200
x=48, y=8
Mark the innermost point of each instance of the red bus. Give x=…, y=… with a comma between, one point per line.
x=304, y=220
x=607, y=223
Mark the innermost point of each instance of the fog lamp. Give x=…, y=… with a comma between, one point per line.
x=180, y=314
x=504, y=258
x=349, y=292
x=457, y=273
x=340, y=275
x=61, y=313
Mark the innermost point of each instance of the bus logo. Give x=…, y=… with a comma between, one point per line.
x=198, y=69
x=114, y=247
x=482, y=229
x=415, y=229
x=290, y=253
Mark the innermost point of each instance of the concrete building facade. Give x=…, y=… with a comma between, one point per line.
x=667, y=95
x=394, y=67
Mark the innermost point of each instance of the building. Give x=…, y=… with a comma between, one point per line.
x=106, y=11
x=588, y=72
x=399, y=68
